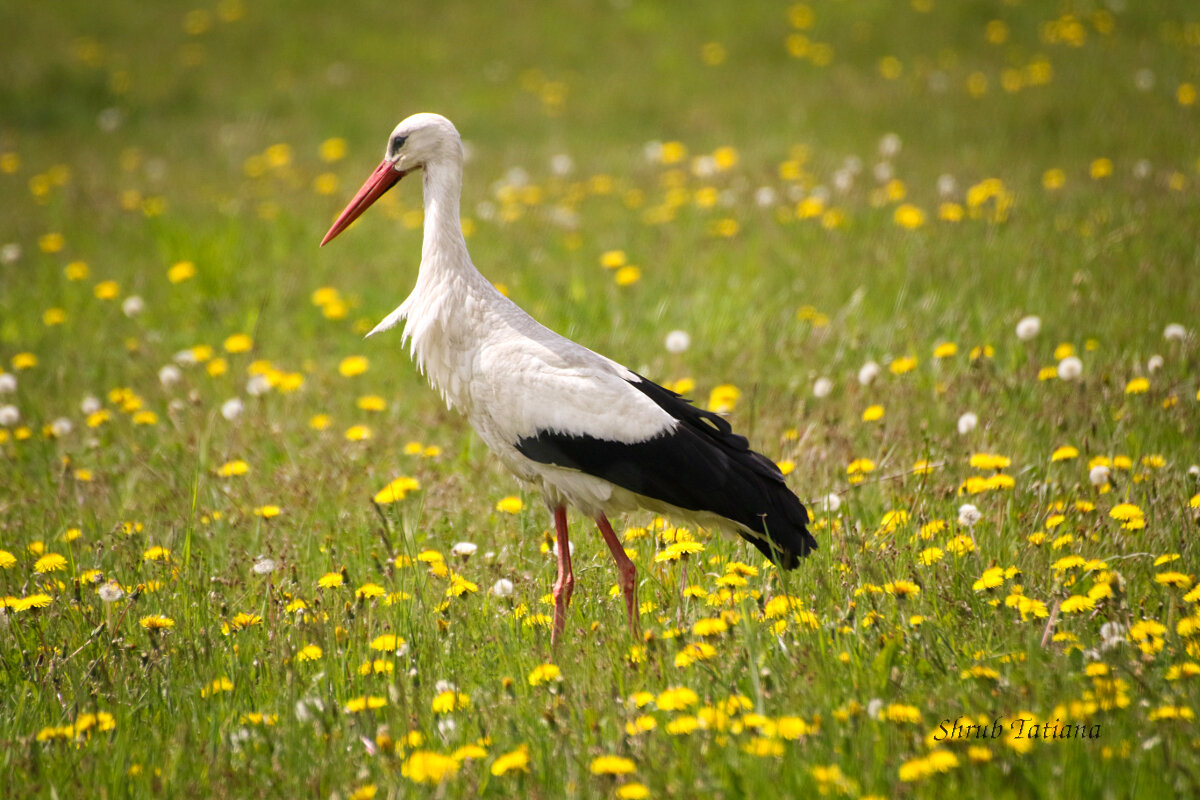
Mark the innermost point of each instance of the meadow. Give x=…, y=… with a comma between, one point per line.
x=938, y=260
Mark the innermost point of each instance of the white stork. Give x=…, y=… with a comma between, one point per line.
x=582, y=428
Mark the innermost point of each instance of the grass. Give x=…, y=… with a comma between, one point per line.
x=227, y=136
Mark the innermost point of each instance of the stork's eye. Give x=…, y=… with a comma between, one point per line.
x=398, y=142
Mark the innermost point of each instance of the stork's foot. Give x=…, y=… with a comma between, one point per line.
x=626, y=570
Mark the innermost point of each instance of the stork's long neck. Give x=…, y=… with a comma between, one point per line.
x=443, y=246
x=438, y=327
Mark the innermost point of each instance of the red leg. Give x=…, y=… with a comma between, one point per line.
x=566, y=578
x=627, y=570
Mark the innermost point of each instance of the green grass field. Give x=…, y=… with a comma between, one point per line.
x=200, y=596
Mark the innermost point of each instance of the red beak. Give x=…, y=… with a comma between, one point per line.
x=383, y=178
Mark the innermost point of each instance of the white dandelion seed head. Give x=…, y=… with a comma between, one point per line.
x=1142, y=169
x=184, y=358
x=61, y=427
x=502, y=588
x=90, y=404
x=133, y=305
x=1175, y=332
x=968, y=515
x=464, y=549
x=169, y=375
x=263, y=565
x=1070, y=368
x=883, y=172
x=232, y=408
x=110, y=592
x=1143, y=79
x=10, y=253
x=305, y=708
x=946, y=185
x=1098, y=475
x=444, y=686
x=562, y=165
x=516, y=176
x=822, y=387
x=1112, y=634
x=447, y=727
x=678, y=341
x=967, y=423
x=570, y=548
x=867, y=373
x=9, y=415
x=764, y=197
x=1154, y=364
x=1194, y=470
x=831, y=502
x=889, y=145
x=109, y=119
x=704, y=166
x=258, y=385
x=874, y=706
x=652, y=151
x=8, y=383
x=486, y=210
x=1029, y=327
x=843, y=180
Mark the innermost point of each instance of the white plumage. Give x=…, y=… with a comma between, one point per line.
x=582, y=428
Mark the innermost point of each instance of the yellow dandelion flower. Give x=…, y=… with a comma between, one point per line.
x=860, y=466
x=157, y=553
x=156, y=622
x=1137, y=386
x=353, y=365
x=1064, y=453
x=676, y=698
x=358, y=433
x=872, y=413
x=544, y=673
x=902, y=365
x=106, y=290
x=945, y=350
x=23, y=361
x=627, y=275
x=51, y=562
x=371, y=402
x=426, y=766
x=268, y=511
x=612, y=765
x=930, y=555
x=510, y=505
x=909, y=216
x=397, y=490
x=232, y=468
x=320, y=422
x=369, y=591
x=1177, y=579
x=723, y=398
x=181, y=271
x=310, y=652
x=450, y=701
x=331, y=580
x=513, y=761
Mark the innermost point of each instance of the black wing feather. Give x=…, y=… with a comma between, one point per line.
x=700, y=465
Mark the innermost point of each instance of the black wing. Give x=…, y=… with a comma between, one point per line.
x=699, y=465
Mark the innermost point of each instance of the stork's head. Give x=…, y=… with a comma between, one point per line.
x=415, y=143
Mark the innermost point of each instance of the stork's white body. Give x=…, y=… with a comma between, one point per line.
x=580, y=427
